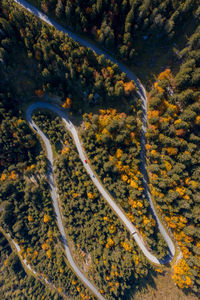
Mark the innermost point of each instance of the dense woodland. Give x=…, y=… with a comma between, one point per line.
x=26, y=207
x=125, y=26
x=173, y=152
x=112, y=141
x=36, y=60
x=99, y=241
x=14, y=282
x=65, y=68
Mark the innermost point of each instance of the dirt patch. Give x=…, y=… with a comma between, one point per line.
x=164, y=289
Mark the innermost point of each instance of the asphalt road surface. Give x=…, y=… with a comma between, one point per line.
x=54, y=195
x=142, y=96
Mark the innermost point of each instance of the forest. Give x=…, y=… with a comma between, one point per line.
x=98, y=248
x=112, y=141
x=37, y=61
x=14, y=281
x=126, y=26
x=173, y=143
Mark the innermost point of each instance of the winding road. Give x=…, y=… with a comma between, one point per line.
x=71, y=128
x=54, y=195
x=25, y=263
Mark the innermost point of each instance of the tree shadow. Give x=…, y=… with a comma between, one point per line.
x=141, y=284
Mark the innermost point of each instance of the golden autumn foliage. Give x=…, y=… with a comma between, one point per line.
x=98, y=33
x=198, y=245
x=3, y=177
x=168, y=166
x=124, y=177
x=119, y=153
x=171, y=150
x=35, y=254
x=194, y=183
x=177, y=121
x=30, y=219
x=105, y=131
x=87, y=125
x=13, y=175
x=31, y=167
x=171, y=222
x=186, y=197
x=136, y=259
x=130, y=216
x=182, y=274
x=90, y=195
x=187, y=180
x=75, y=195
x=45, y=246
x=165, y=120
x=152, y=114
x=153, y=152
x=112, y=229
x=67, y=103
x=21, y=252
x=160, y=271
x=148, y=147
x=47, y=218
x=65, y=150
x=178, y=223
x=128, y=172
x=126, y=246
x=180, y=190
x=105, y=117
x=153, y=176
x=153, y=127
x=173, y=108
x=181, y=132
x=110, y=70
x=139, y=204
x=110, y=243
x=156, y=86
x=172, y=138
x=128, y=87
x=19, y=121
x=146, y=220
x=165, y=74
x=197, y=120
x=134, y=184
x=49, y=253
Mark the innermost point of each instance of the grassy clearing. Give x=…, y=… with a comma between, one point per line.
x=162, y=287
